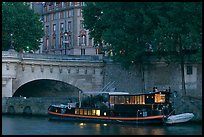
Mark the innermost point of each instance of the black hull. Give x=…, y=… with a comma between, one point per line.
x=106, y=121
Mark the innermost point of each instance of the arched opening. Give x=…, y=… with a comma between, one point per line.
x=46, y=88
x=11, y=110
x=27, y=110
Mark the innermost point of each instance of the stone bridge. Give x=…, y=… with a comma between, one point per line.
x=83, y=73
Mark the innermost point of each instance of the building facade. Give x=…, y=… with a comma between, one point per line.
x=64, y=30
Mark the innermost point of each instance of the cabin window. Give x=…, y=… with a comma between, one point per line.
x=159, y=98
x=93, y=112
x=142, y=99
x=127, y=100
x=116, y=100
x=137, y=100
x=121, y=100
x=97, y=112
x=85, y=111
x=76, y=111
x=89, y=112
x=112, y=100
x=132, y=99
x=81, y=111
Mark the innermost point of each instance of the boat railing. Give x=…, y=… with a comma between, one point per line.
x=106, y=87
x=72, y=105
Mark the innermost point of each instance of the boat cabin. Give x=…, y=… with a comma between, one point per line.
x=124, y=104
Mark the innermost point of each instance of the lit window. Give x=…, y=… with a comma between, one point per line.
x=54, y=28
x=76, y=111
x=97, y=112
x=89, y=112
x=85, y=111
x=112, y=100
x=104, y=113
x=93, y=112
x=159, y=98
x=81, y=111
x=62, y=27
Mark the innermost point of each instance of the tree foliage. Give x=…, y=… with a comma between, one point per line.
x=169, y=29
x=25, y=25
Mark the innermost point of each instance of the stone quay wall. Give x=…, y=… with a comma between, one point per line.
x=32, y=105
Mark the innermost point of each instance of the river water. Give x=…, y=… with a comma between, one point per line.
x=33, y=125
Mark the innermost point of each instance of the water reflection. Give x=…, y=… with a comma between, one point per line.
x=18, y=125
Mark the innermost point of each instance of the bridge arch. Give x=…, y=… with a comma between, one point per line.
x=46, y=88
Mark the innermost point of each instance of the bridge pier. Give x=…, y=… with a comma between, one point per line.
x=7, y=87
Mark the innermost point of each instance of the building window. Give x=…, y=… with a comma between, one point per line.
x=80, y=12
x=52, y=16
x=71, y=4
x=47, y=18
x=80, y=3
x=82, y=51
x=81, y=24
x=47, y=44
x=61, y=41
x=53, y=42
x=66, y=4
x=76, y=3
x=60, y=5
x=69, y=25
x=70, y=13
x=47, y=30
x=45, y=8
x=57, y=4
x=50, y=7
x=62, y=27
x=69, y=39
x=61, y=15
x=66, y=14
x=189, y=70
x=55, y=16
x=54, y=28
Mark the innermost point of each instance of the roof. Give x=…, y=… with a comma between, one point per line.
x=110, y=93
x=123, y=93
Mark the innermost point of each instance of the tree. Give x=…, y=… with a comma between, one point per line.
x=179, y=33
x=25, y=25
x=92, y=21
x=169, y=30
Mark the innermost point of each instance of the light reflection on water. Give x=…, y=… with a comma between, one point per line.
x=19, y=125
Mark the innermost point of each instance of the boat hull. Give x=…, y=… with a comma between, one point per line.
x=106, y=119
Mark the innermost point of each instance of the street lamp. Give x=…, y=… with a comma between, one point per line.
x=11, y=46
x=65, y=42
x=82, y=38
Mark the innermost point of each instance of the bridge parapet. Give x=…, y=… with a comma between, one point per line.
x=51, y=56
x=9, y=54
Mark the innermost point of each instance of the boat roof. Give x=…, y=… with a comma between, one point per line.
x=110, y=93
x=59, y=105
x=123, y=93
